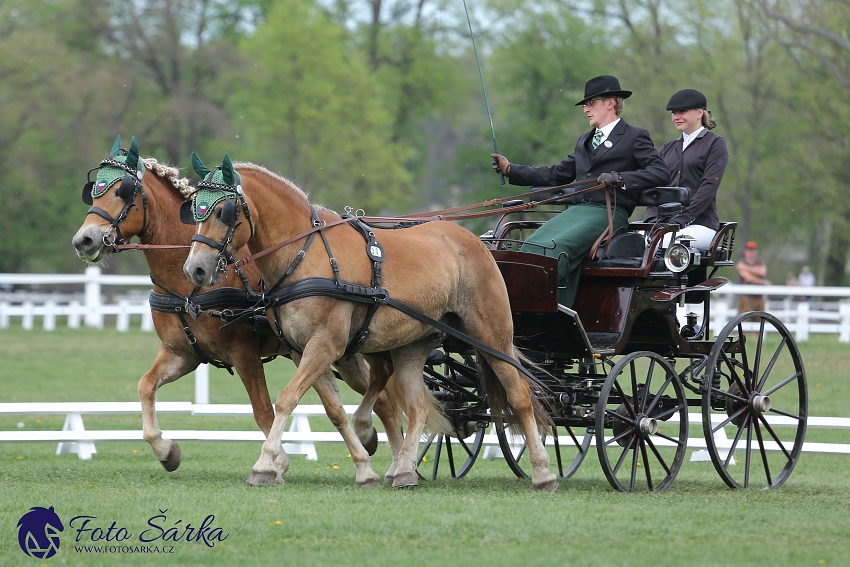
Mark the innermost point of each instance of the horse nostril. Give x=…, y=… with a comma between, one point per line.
x=200, y=274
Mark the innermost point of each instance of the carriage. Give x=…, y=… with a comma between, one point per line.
x=619, y=370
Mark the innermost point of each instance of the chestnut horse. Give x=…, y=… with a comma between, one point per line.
x=438, y=268
x=151, y=213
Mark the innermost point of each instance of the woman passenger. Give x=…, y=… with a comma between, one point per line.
x=696, y=160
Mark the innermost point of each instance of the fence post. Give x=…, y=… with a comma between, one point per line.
x=28, y=316
x=122, y=324
x=202, y=384
x=844, y=322
x=802, y=322
x=147, y=321
x=50, y=309
x=74, y=314
x=4, y=314
x=94, y=318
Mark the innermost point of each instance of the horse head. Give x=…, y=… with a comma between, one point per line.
x=118, y=203
x=218, y=206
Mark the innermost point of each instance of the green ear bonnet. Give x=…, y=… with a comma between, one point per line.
x=120, y=162
x=218, y=185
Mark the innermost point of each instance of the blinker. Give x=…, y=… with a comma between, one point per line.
x=228, y=212
x=186, y=214
x=87, y=188
x=127, y=188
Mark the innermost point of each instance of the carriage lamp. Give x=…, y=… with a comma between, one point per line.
x=677, y=258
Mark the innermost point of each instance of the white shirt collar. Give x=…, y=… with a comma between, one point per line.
x=687, y=139
x=606, y=130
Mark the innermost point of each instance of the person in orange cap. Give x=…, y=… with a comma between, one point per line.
x=751, y=271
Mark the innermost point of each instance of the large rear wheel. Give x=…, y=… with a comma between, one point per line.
x=754, y=385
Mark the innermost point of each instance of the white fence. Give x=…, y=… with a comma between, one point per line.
x=89, y=305
x=298, y=439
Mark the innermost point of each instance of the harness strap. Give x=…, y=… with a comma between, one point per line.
x=608, y=233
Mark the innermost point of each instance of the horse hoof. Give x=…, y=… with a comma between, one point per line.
x=172, y=461
x=370, y=483
x=372, y=445
x=405, y=480
x=261, y=479
x=548, y=486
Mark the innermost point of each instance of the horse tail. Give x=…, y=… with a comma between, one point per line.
x=498, y=398
x=435, y=422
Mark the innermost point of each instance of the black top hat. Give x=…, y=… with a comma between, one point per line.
x=603, y=85
x=687, y=99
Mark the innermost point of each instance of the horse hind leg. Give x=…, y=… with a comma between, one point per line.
x=356, y=374
x=518, y=394
x=166, y=368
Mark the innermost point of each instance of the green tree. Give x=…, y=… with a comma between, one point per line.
x=309, y=108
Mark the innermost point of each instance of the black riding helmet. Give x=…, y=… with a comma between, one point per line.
x=687, y=99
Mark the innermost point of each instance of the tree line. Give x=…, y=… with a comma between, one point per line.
x=377, y=104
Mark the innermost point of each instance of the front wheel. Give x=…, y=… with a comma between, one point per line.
x=754, y=383
x=646, y=449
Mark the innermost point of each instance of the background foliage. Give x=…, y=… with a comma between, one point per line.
x=376, y=104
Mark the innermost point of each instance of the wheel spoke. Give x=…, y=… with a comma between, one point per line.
x=557, y=451
x=427, y=446
x=734, y=373
x=615, y=415
x=633, y=475
x=785, y=413
x=649, y=374
x=729, y=419
x=646, y=466
x=783, y=383
x=773, y=360
x=626, y=402
x=748, y=375
x=658, y=395
x=657, y=454
x=734, y=443
x=623, y=456
x=620, y=436
x=667, y=413
x=748, y=454
x=671, y=439
x=450, y=456
x=763, y=454
x=464, y=446
x=634, y=384
x=755, y=372
x=728, y=394
x=775, y=437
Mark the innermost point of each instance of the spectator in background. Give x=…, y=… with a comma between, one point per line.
x=807, y=278
x=751, y=271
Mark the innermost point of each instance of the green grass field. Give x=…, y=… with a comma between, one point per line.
x=319, y=516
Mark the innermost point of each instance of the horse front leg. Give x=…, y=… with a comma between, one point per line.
x=167, y=367
x=328, y=392
x=248, y=364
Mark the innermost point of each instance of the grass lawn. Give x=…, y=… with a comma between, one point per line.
x=319, y=517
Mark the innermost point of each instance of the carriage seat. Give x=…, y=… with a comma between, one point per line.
x=626, y=249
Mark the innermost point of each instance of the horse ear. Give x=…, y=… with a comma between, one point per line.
x=133, y=155
x=199, y=167
x=116, y=146
x=227, y=170
x=186, y=215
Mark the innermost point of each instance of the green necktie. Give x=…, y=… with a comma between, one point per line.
x=597, y=139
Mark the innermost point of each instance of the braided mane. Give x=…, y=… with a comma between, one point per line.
x=170, y=174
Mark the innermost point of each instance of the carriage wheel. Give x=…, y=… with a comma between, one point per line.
x=452, y=380
x=758, y=383
x=455, y=455
x=564, y=445
x=646, y=449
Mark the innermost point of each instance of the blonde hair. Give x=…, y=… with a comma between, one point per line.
x=708, y=120
x=619, y=104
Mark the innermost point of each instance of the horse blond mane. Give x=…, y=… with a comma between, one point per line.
x=279, y=178
x=170, y=174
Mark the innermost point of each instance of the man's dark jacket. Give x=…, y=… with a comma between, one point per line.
x=699, y=168
x=631, y=154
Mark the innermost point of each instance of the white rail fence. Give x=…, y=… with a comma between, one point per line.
x=298, y=439
x=802, y=317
